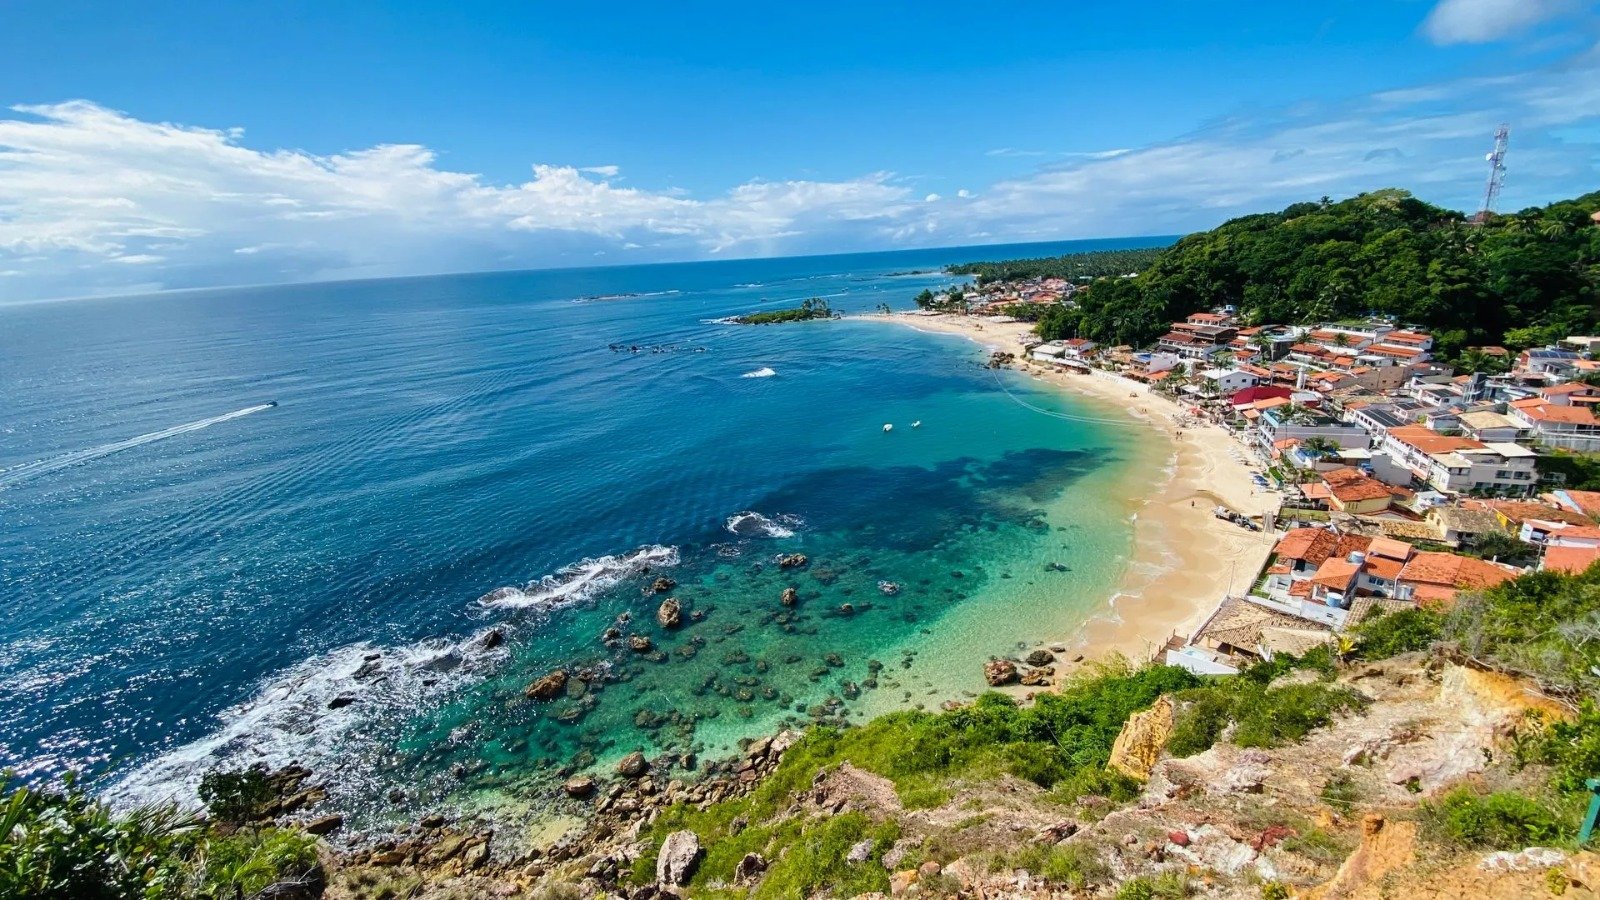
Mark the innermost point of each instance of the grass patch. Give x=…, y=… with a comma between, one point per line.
x=1498, y=821
x=1260, y=715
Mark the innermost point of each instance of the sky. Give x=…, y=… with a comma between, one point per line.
x=162, y=145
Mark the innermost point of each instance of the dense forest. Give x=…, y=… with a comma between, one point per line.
x=1517, y=280
x=1073, y=266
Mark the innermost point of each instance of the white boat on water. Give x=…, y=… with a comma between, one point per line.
x=888, y=426
x=917, y=424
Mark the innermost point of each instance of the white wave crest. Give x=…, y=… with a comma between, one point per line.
x=762, y=372
x=582, y=579
x=305, y=714
x=754, y=524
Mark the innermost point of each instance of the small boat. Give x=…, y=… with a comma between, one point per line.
x=888, y=588
x=888, y=426
x=917, y=424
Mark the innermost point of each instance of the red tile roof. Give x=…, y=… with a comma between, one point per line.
x=1570, y=559
x=1441, y=572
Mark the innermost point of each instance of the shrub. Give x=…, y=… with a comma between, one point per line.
x=814, y=863
x=235, y=796
x=1498, y=821
x=243, y=863
x=1386, y=635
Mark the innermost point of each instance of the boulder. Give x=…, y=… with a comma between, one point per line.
x=792, y=560
x=638, y=643
x=670, y=613
x=749, y=869
x=578, y=786
x=679, y=855
x=1142, y=739
x=663, y=584
x=790, y=597
x=1040, y=657
x=633, y=765
x=999, y=671
x=324, y=825
x=860, y=852
x=492, y=638
x=1040, y=676
x=548, y=686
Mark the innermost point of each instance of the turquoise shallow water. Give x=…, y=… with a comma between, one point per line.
x=307, y=580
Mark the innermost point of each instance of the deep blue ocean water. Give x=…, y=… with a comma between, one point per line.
x=191, y=578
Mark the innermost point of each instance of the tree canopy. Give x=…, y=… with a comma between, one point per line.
x=1518, y=279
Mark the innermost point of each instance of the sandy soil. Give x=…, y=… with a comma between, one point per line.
x=1185, y=559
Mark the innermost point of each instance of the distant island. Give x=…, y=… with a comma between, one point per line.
x=814, y=308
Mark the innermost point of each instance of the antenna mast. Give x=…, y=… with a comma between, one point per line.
x=1497, y=170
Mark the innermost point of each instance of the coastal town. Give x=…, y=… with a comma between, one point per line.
x=1390, y=479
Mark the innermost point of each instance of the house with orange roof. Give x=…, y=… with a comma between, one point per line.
x=1434, y=579
x=1544, y=533
x=1572, y=560
x=1461, y=465
x=1417, y=339
x=1558, y=422
x=1584, y=503
x=1352, y=491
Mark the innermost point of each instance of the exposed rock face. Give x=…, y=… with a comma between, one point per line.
x=633, y=765
x=492, y=638
x=548, y=686
x=1143, y=737
x=324, y=825
x=670, y=613
x=790, y=597
x=663, y=584
x=680, y=853
x=999, y=671
x=1385, y=846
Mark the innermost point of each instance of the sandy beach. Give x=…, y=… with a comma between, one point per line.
x=1185, y=559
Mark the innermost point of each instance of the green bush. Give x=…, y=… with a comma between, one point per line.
x=1262, y=716
x=1498, y=821
x=814, y=862
x=1386, y=635
x=244, y=862
x=235, y=796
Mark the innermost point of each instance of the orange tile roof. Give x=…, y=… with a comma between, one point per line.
x=1519, y=511
x=1570, y=559
x=1336, y=573
x=1447, y=570
x=1391, y=548
x=1384, y=567
x=1430, y=441
x=1407, y=337
x=1300, y=588
x=1386, y=350
x=1571, y=387
x=1351, y=543
x=1312, y=545
x=1566, y=415
x=1316, y=490
x=1364, y=489
x=1588, y=502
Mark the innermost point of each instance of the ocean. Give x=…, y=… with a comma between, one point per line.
x=277, y=524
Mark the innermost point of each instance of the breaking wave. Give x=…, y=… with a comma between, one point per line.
x=754, y=524
x=583, y=579
x=763, y=372
x=310, y=713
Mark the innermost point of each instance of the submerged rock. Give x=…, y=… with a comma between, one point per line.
x=548, y=686
x=670, y=613
x=663, y=584
x=790, y=597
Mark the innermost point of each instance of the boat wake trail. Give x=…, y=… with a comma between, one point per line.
x=21, y=473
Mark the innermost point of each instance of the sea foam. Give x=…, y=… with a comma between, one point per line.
x=762, y=372
x=583, y=579
x=754, y=524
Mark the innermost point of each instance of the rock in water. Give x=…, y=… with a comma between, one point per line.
x=790, y=597
x=1041, y=657
x=548, y=686
x=663, y=584
x=792, y=560
x=324, y=825
x=633, y=765
x=640, y=644
x=680, y=852
x=579, y=786
x=1138, y=746
x=999, y=671
x=670, y=613
x=492, y=638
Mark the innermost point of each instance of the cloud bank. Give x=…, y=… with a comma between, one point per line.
x=96, y=201
x=1482, y=21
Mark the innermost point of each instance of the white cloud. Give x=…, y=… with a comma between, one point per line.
x=1482, y=21
x=93, y=201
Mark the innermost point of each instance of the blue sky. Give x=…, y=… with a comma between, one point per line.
x=157, y=145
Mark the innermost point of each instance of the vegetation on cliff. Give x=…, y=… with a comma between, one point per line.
x=1518, y=279
x=1075, y=267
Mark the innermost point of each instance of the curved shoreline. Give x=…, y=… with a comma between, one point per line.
x=1184, y=559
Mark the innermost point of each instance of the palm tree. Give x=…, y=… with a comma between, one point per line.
x=1552, y=228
